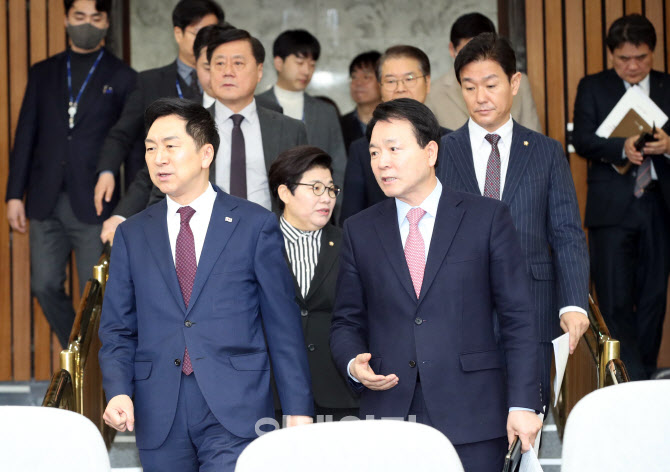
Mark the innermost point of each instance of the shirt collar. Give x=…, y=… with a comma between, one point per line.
x=200, y=204
x=222, y=112
x=478, y=134
x=184, y=71
x=293, y=234
x=430, y=204
x=644, y=84
x=207, y=100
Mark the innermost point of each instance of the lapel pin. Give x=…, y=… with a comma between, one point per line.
x=229, y=219
x=525, y=143
x=330, y=243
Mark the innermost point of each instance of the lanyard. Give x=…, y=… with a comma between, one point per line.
x=72, y=106
x=181, y=95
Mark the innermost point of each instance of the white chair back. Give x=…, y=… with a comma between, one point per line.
x=35, y=438
x=370, y=446
x=624, y=427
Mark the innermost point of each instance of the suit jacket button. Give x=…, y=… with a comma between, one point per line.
x=412, y=364
x=304, y=312
x=418, y=320
x=188, y=324
x=311, y=347
x=177, y=362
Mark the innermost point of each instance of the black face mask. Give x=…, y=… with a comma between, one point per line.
x=85, y=36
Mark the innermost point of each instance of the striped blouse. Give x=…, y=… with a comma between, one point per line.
x=302, y=248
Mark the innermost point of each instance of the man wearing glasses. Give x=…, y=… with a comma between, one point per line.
x=403, y=72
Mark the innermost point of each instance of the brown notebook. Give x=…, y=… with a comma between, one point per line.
x=630, y=125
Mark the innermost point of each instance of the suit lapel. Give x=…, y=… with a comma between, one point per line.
x=212, y=166
x=327, y=257
x=462, y=158
x=218, y=235
x=447, y=221
x=519, y=154
x=308, y=112
x=93, y=91
x=388, y=231
x=158, y=241
x=270, y=134
x=61, y=84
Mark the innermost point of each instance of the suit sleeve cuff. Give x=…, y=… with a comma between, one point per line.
x=565, y=309
x=518, y=408
x=349, y=372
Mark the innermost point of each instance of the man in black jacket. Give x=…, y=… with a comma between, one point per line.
x=71, y=101
x=628, y=196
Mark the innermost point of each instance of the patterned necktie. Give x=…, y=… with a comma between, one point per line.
x=415, y=250
x=238, y=160
x=186, y=266
x=492, y=183
x=643, y=177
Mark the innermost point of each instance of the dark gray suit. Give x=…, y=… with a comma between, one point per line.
x=541, y=196
x=279, y=133
x=323, y=129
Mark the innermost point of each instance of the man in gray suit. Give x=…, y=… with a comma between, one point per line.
x=445, y=98
x=494, y=156
x=295, y=54
x=236, y=66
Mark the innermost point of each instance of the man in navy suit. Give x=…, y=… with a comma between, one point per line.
x=198, y=292
x=628, y=199
x=530, y=173
x=71, y=101
x=421, y=276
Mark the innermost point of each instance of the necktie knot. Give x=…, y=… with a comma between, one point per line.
x=186, y=213
x=237, y=120
x=415, y=215
x=493, y=139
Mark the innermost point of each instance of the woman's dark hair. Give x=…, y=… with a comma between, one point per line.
x=290, y=166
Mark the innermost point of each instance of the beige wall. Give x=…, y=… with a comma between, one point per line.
x=344, y=28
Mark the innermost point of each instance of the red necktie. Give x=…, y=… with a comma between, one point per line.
x=415, y=249
x=492, y=183
x=186, y=266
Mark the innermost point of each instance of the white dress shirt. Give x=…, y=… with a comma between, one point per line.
x=481, y=150
x=199, y=222
x=426, y=223
x=258, y=190
x=293, y=103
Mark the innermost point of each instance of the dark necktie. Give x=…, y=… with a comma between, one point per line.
x=238, y=160
x=195, y=90
x=492, y=183
x=186, y=266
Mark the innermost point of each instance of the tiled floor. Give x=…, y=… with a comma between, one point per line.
x=124, y=456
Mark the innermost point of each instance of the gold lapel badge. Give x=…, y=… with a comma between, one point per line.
x=330, y=243
x=229, y=219
x=525, y=143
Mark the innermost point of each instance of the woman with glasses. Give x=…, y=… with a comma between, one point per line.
x=302, y=185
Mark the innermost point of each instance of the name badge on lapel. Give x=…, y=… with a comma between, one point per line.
x=107, y=90
x=229, y=219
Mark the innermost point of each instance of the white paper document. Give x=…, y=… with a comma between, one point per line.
x=529, y=462
x=538, y=438
x=635, y=99
x=561, y=353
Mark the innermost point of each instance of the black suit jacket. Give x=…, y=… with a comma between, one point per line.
x=360, y=189
x=351, y=129
x=125, y=139
x=330, y=389
x=610, y=193
x=278, y=132
x=48, y=156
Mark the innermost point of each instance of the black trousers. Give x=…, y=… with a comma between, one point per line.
x=629, y=266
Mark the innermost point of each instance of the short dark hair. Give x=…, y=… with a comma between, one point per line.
x=425, y=125
x=634, y=29
x=187, y=12
x=205, y=36
x=483, y=47
x=100, y=5
x=200, y=124
x=470, y=25
x=298, y=42
x=228, y=35
x=403, y=50
x=365, y=60
x=290, y=166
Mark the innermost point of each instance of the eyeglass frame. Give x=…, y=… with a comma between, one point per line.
x=331, y=189
x=395, y=82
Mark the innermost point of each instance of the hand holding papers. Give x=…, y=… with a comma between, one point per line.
x=561, y=353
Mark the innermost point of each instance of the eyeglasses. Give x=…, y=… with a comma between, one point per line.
x=410, y=82
x=319, y=187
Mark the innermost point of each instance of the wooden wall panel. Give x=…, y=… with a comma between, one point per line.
x=653, y=9
x=633, y=6
x=21, y=309
x=613, y=10
x=56, y=20
x=594, y=33
x=667, y=38
x=554, y=65
x=5, y=255
x=535, y=57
